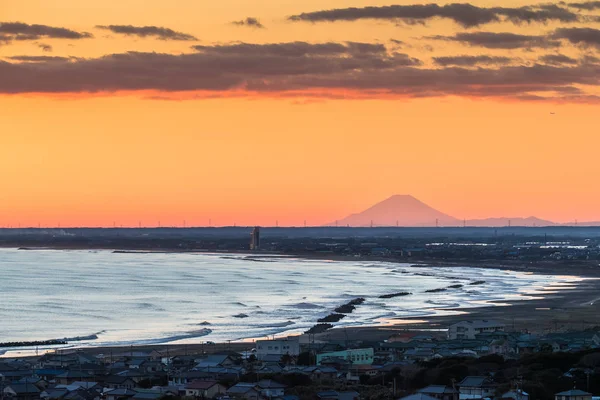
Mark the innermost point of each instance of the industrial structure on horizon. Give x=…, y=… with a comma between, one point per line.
x=255, y=239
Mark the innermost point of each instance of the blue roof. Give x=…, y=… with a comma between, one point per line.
x=574, y=392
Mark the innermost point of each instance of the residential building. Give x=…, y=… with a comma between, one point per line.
x=418, y=396
x=277, y=347
x=21, y=391
x=333, y=395
x=518, y=394
x=356, y=356
x=119, y=394
x=478, y=387
x=440, y=392
x=469, y=329
x=119, y=382
x=244, y=390
x=270, y=389
x=574, y=394
x=205, y=389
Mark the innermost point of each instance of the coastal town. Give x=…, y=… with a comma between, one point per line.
x=470, y=360
x=544, y=349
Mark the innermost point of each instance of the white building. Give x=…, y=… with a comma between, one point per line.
x=468, y=329
x=277, y=347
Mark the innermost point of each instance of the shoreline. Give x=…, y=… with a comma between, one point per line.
x=567, y=308
x=586, y=269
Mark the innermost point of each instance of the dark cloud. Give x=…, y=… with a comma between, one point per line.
x=148, y=31
x=295, y=69
x=470, y=61
x=503, y=40
x=250, y=22
x=11, y=31
x=588, y=5
x=558, y=59
x=294, y=49
x=588, y=59
x=39, y=58
x=580, y=36
x=45, y=47
x=464, y=14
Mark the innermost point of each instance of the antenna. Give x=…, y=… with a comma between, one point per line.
x=371, y=223
x=437, y=223
x=464, y=223
x=209, y=222
x=509, y=223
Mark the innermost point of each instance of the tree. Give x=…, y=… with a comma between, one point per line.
x=286, y=359
x=304, y=358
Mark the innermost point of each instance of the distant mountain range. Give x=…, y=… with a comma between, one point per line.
x=405, y=210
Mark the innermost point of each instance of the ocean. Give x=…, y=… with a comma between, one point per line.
x=102, y=298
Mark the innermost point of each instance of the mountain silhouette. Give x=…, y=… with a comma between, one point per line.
x=406, y=210
x=401, y=210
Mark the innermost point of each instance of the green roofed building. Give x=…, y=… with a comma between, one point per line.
x=355, y=356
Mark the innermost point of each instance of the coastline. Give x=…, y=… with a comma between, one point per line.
x=572, y=308
x=587, y=269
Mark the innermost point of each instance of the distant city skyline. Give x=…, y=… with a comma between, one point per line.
x=264, y=113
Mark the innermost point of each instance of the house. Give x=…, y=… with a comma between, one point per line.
x=69, y=377
x=63, y=359
x=318, y=373
x=478, y=387
x=502, y=347
x=119, y=382
x=468, y=329
x=119, y=394
x=277, y=347
x=39, y=382
x=54, y=394
x=518, y=394
x=21, y=391
x=333, y=395
x=244, y=390
x=135, y=375
x=269, y=388
x=49, y=374
x=573, y=394
x=364, y=369
x=149, y=395
x=270, y=369
x=204, y=389
x=440, y=392
x=216, y=360
x=418, y=396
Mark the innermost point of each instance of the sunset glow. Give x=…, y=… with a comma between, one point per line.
x=257, y=113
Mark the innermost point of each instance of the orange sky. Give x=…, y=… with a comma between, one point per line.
x=85, y=159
